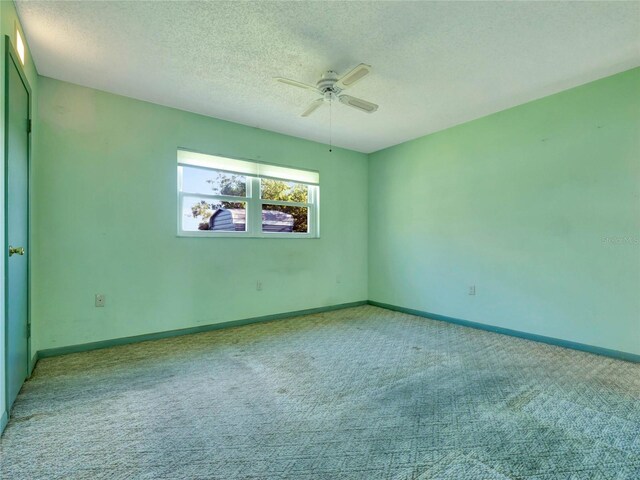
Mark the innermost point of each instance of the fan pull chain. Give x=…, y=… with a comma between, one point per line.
x=330, y=115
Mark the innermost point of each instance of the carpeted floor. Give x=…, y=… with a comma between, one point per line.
x=361, y=393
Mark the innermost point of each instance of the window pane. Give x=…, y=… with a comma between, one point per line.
x=213, y=182
x=283, y=191
x=284, y=218
x=207, y=214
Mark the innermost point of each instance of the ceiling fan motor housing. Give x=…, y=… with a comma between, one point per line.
x=327, y=85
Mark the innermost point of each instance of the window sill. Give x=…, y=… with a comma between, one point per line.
x=209, y=234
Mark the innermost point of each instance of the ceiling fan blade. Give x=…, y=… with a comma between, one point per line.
x=296, y=83
x=312, y=108
x=358, y=103
x=353, y=76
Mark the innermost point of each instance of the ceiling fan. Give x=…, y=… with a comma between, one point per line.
x=330, y=86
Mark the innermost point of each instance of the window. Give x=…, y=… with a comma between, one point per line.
x=19, y=45
x=226, y=197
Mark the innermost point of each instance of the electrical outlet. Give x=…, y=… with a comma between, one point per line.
x=259, y=285
x=472, y=290
x=100, y=299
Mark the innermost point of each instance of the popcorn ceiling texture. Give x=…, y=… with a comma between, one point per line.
x=361, y=393
x=436, y=64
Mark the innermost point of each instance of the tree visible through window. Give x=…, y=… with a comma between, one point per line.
x=287, y=192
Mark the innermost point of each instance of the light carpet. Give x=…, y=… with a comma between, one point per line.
x=360, y=393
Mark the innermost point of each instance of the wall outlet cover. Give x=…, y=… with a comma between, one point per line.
x=100, y=300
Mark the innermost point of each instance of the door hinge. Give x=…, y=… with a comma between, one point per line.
x=28, y=330
x=28, y=125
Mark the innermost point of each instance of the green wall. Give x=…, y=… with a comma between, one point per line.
x=8, y=23
x=537, y=206
x=105, y=222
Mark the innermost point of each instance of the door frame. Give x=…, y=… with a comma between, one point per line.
x=12, y=59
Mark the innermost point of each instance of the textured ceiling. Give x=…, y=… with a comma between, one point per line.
x=434, y=64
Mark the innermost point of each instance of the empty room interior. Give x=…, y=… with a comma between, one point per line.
x=320, y=240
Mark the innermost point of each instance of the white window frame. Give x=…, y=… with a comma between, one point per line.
x=253, y=201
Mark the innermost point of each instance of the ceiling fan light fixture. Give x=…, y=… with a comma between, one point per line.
x=330, y=96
